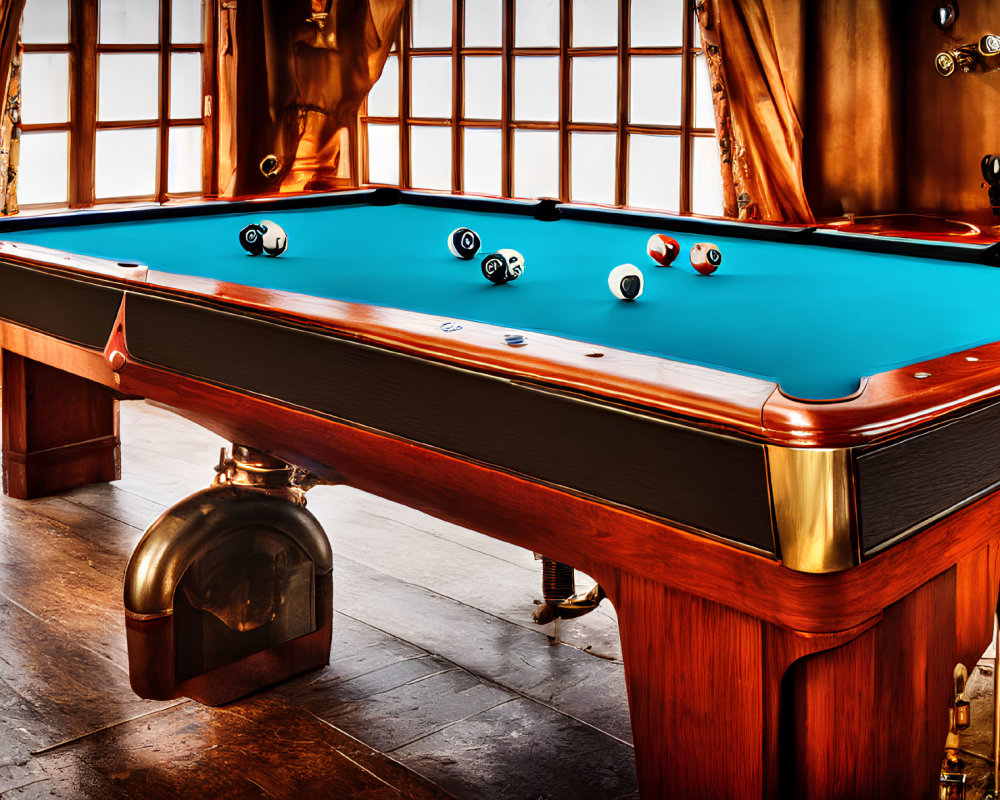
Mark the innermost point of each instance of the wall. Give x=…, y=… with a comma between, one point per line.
x=852, y=118
x=951, y=123
x=883, y=131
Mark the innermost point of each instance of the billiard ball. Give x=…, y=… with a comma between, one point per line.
x=252, y=239
x=662, y=249
x=464, y=243
x=274, y=237
x=625, y=282
x=503, y=266
x=705, y=258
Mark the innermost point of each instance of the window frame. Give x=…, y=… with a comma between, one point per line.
x=622, y=128
x=84, y=49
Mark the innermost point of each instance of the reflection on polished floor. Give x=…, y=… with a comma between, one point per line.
x=439, y=683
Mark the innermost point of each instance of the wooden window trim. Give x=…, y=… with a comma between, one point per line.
x=686, y=131
x=85, y=49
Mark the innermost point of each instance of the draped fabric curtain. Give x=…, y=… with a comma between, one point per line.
x=757, y=123
x=292, y=76
x=10, y=68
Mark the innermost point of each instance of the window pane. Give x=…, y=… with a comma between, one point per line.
x=595, y=23
x=483, y=23
x=383, y=99
x=655, y=90
x=595, y=89
x=42, y=172
x=481, y=156
x=430, y=87
x=185, y=21
x=125, y=163
x=431, y=23
x=536, y=164
x=45, y=22
x=128, y=86
x=706, y=177
x=184, y=159
x=536, y=89
x=129, y=21
x=592, y=162
x=482, y=88
x=704, y=110
x=185, y=86
x=45, y=87
x=536, y=23
x=383, y=154
x=657, y=23
x=430, y=158
x=654, y=172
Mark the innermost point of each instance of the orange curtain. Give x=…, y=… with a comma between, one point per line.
x=292, y=76
x=758, y=127
x=10, y=68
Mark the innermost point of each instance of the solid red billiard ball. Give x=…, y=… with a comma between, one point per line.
x=662, y=249
x=705, y=258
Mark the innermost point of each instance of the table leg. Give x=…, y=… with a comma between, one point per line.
x=59, y=430
x=726, y=705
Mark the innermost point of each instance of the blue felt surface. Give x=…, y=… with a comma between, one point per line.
x=815, y=319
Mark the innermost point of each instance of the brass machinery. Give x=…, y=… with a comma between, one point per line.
x=969, y=57
x=232, y=588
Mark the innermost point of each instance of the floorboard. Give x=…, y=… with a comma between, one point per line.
x=439, y=684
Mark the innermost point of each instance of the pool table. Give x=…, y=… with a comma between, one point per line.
x=783, y=474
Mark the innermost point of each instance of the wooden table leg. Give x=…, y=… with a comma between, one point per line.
x=726, y=705
x=694, y=675
x=59, y=430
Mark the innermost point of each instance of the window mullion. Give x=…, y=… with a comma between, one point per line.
x=565, y=81
x=621, y=155
x=210, y=102
x=687, y=108
x=404, y=100
x=507, y=100
x=457, y=22
x=164, y=104
x=83, y=112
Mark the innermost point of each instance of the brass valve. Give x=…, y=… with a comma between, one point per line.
x=966, y=57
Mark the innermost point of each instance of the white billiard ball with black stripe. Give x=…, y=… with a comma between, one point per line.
x=274, y=238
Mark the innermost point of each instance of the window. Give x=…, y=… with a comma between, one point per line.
x=599, y=101
x=115, y=97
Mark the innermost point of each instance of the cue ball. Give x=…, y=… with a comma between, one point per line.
x=464, y=243
x=705, y=258
x=503, y=266
x=662, y=249
x=252, y=239
x=274, y=237
x=625, y=282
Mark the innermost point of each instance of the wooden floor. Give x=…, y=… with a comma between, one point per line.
x=439, y=683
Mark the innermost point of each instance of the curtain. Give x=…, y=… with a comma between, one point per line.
x=760, y=138
x=292, y=76
x=10, y=68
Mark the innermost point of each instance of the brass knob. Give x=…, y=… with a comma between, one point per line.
x=989, y=45
x=945, y=63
